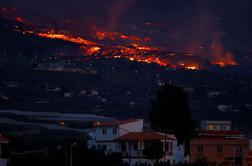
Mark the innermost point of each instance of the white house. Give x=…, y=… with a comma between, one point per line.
x=128, y=138
x=3, y=140
x=106, y=132
x=132, y=146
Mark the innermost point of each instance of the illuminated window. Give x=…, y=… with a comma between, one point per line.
x=210, y=127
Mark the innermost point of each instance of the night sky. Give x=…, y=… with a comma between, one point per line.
x=186, y=25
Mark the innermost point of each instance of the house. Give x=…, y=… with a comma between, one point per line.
x=249, y=158
x=216, y=125
x=132, y=147
x=220, y=145
x=3, y=140
x=128, y=138
x=106, y=132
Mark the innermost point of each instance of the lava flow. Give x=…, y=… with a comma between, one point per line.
x=132, y=52
x=101, y=35
x=70, y=38
x=117, y=45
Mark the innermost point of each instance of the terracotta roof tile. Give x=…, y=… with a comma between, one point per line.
x=221, y=132
x=230, y=141
x=145, y=136
x=114, y=123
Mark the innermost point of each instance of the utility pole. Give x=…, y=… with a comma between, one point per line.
x=165, y=149
x=71, y=153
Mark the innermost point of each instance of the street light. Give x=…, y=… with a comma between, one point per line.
x=71, y=153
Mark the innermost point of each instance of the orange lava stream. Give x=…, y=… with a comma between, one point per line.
x=133, y=52
x=77, y=40
x=101, y=35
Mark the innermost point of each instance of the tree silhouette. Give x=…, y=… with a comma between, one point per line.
x=170, y=112
x=153, y=150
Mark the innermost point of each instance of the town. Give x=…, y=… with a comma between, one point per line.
x=125, y=83
x=216, y=143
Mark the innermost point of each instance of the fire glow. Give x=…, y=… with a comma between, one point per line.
x=131, y=47
x=19, y=19
x=220, y=56
x=133, y=52
x=69, y=38
x=102, y=35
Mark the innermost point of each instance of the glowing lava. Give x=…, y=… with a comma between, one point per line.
x=220, y=56
x=118, y=45
x=70, y=38
x=19, y=19
x=149, y=59
x=101, y=35
x=90, y=50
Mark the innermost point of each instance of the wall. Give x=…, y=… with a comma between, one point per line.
x=136, y=126
x=3, y=162
x=109, y=133
x=210, y=150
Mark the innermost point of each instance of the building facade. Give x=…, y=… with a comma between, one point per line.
x=105, y=133
x=249, y=159
x=216, y=125
x=128, y=138
x=220, y=145
x=133, y=145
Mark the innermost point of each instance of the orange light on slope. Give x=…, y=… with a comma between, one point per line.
x=149, y=59
x=134, y=52
x=220, y=56
x=145, y=48
x=224, y=64
x=192, y=67
x=116, y=35
x=19, y=19
x=90, y=50
x=77, y=40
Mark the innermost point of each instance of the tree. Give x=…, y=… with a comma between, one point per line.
x=153, y=150
x=170, y=112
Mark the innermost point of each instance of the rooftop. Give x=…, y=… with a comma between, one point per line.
x=217, y=121
x=222, y=141
x=145, y=136
x=114, y=123
x=221, y=133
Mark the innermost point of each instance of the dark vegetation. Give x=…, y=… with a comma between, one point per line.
x=171, y=113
